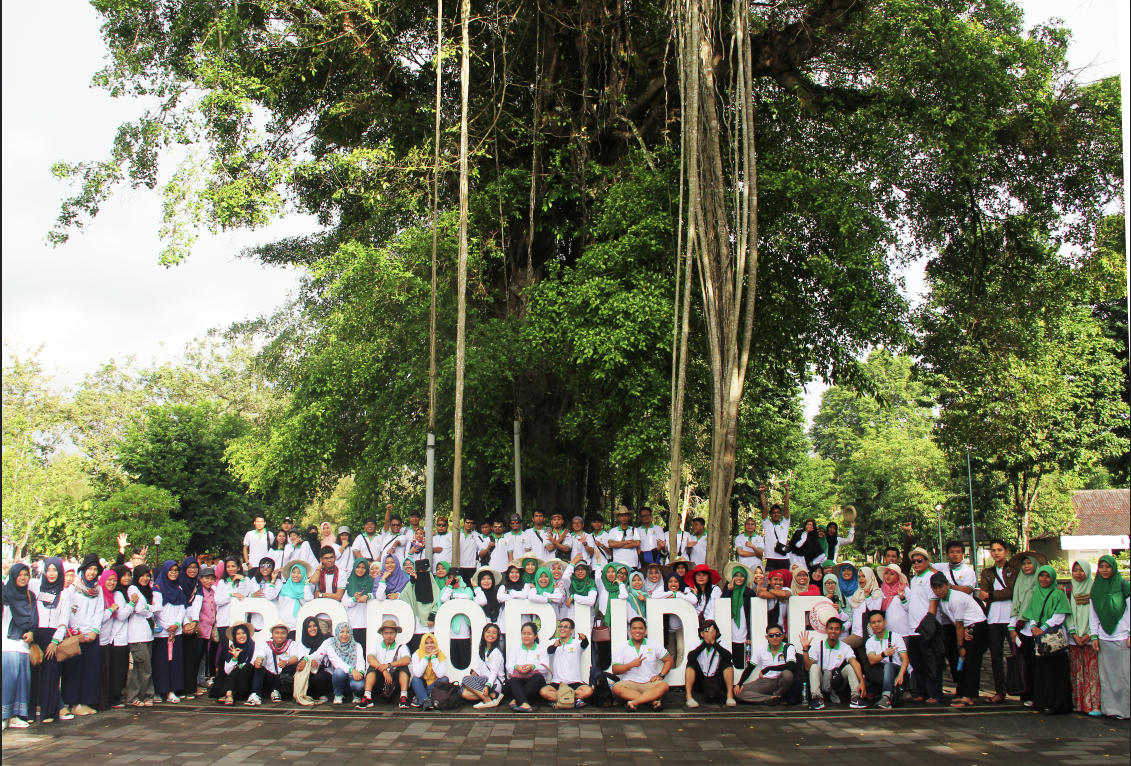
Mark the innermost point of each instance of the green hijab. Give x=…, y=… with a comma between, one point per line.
x=528, y=577
x=583, y=586
x=1081, y=613
x=737, y=601
x=611, y=589
x=638, y=597
x=355, y=584
x=441, y=582
x=1023, y=588
x=1045, y=602
x=1109, y=596
x=538, y=587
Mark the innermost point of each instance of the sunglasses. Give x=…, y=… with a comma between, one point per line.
x=918, y=560
x=774, y=635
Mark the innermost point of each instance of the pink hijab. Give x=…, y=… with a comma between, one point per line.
x=107, y=594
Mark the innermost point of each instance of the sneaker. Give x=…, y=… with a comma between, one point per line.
x=818, y=703
x=17, y=723
x=66, y=715
x=579, y=703
x=884, y=703
x=496, y=700
x=731, y=702
x=856, y=703
x=691, y=703
x=403, y=704
x=276, y=697
x=337, y=700
x=253, y=700
x=415, y=702
x=483, y=705
x=366, y=701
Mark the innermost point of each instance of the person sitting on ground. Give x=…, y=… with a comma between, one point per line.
x=276, y=664
x=642, y=666
x=710, y=669
x=429, y=667
x=528, y=666
x=389, y=663
x=832, y=665
x=484, y=682
x=778, y=664
x=565, y=661
x=885, y=649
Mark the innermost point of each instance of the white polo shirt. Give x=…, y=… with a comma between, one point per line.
x=498, y=559
x=754, y=541
x=878, y=644
x=764, y=658
x=963, y=576
x=653, y=660
x=444, y=542
x=258, y=546
x=919, y=598
x=386, y=655
x=696, y=554
x=628, y=556
x=566, y=662
x=648, y=536
x=962, y=606
x=368, y=547
x=830, y=658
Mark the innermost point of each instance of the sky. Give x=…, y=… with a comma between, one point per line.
x=104, y=295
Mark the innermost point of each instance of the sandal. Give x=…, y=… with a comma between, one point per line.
x=631, y=705
x=148, y=703
x=657, y=705
x=138, y=703
x=996, y=699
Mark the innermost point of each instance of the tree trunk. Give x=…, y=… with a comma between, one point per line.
x=461, y=321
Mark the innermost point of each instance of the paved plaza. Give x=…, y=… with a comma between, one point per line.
x=253, y=737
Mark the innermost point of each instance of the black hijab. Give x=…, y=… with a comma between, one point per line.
x=54, y=588
x=507, y=580
x=423, y=583
x=246, y=647
x=811, y=550
x=492, y=596
x=122, y=570
x=316, y=641
x=18, y=601
x=145, y=590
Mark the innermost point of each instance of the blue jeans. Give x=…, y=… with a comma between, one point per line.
x=421, y=691
x=344, y=684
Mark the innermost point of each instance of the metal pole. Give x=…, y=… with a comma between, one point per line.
x=429, y=486
x=938, y=513
x=517, y=471
x=973, y=533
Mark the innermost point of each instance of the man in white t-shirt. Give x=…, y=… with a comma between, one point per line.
x=582, y=547
x=370, y=543
x=653, y=539
x=887, y=651
x=515, y=541
x=565, y=662
x=603, y=554
x=471, y=544
x=500, y=555
x=775, y=531
x=256, y=543
x=624, y=540
x=537, y=537
x=970, y=632
x=996, y=589
x=921, y=601
x=397, y=539
x=963, y=578
x=773, y=660
x=694, y=543
x=442, y=541
x=828, y=658
x=642, y=666
x=389, y=666
x=749, y=546
x=559, y=543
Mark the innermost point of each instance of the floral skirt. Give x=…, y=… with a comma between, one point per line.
x=1085, y=678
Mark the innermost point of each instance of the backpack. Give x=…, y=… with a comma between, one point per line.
x=446, y=696
x=602, y=691
x=566, y=697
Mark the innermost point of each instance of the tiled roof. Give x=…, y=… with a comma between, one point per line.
x=1102, y=511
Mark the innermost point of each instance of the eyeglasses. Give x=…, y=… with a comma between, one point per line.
x=774, y=635
x=918, y=561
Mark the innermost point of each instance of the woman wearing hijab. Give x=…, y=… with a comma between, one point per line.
x=392, y=580
x=421, y=596
x=359, y=589
x=801, y=586
x=239, y=663
x=311, y=548
x=328, y=538
x=1084, y=660
x=739, y=593
x=893, y=599
x=346, y=658
x=487, y=594
x=429, y=666
x=107, y=581
x=455, y=588
x=582, y=591
x=655, y=579
x=513, y=587
x=861, y=598
x=189, y=581
x=831, y=543
x=1023, y=589
x=169, y=612
x=19, y=624
x=805, y=548
x=295, y=591
x=1110, y=596
x=80, y=675
x=637, y=597
x=118, y=648
x=139, y=633
x=52, y=605
x=1052, y=675
x=319, y=679
x=675, y=587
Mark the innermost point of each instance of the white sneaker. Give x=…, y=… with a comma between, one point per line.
x=691, y=703
x=337, y=700
x=495, y=702
x=276, y=697
x=481, y=705
x=253, y=700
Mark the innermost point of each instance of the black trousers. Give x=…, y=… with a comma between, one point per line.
x=119, y=670
x=996, y=636
x=1027, y=657
x=239, y=681
x=523, y=689
x=263, y=681
x=44, y=681
x=1052, y=683
x=190, y=656
x=950, y=638
x=969, y=682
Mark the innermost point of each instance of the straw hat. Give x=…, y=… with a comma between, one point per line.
x=280, y=624
x=1019, y=559
x=848, y=514
x=479, y=574
x=728, y=571
x=250, y=630
x=820, y=614
x=300, y=563
x=390, y=624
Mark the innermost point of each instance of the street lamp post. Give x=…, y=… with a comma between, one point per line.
x=157, y=556
x=938, y=514
x=973, y=532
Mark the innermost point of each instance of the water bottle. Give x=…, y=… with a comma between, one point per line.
x=961, y=663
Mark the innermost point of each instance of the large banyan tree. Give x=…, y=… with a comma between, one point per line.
x=678, y=212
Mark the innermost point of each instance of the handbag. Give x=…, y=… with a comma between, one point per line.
x=68, y=648
x=601, y=631
x=1050, y=642
x=1015, y=681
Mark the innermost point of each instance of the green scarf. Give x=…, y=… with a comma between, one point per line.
x=355, y=584
x=441, y=582
x=638, y=597
x=528, y=577
x=1109, y=596
x=1045, y=602
x=610, y=589
x=291, y=589
x=1079, y=621
x=737, y=600
x=1023, y=588
x=538, y=576
x=583, y=586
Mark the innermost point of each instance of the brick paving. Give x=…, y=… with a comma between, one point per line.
x=343, y=737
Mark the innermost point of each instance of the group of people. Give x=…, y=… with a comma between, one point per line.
x=101, y=636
